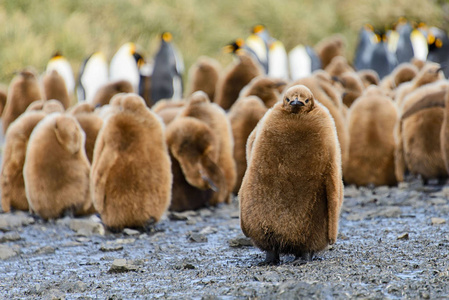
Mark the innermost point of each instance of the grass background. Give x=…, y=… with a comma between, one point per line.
x=32, y=30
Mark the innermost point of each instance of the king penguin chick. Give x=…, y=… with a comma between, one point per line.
x=131, y=170
x=3, y=95
x=14, y=151
x=203, y=76
x=166, y=80
x=236, y=75
x=369, y=77
x=63, y=67
x=244, y=115
x=371, y=121
x=193, y=147
x=54, y=88
x=107, y=91
x=292, y=191
x=23, y=89
x=56, y=169
x=92, y=76
x=330, y=47
x=266, y=88
x=200, y=107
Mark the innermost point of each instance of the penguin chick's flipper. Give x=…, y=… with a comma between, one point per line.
x=271, y=259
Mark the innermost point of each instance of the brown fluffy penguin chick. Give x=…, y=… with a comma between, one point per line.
x=418, y=63
x=131, y=170
x=265, y=88
x=444, y=134
x=199, y=106
x=352, y=87
x=3, y=95
x=338, y=66
x=193, y=148
x=23, y=90
x=14, y=151
x=54, y=88
x=91, y=124
x=371, y=122
x=234, y=78
x=107, y=91
x=203, y=76
x=244, y=116
x=168, y=109
x=329, y=48
x=430, y=73
x=48, y=106
x=82, y=107
x=418, y=141
x=56, y=169
x=369, y=77
x=404, y=72
x=292, y=191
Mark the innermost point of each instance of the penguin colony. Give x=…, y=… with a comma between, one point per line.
x=282, y=131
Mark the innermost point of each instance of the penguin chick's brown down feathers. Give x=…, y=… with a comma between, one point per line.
x=131, y=170
x=292, y=191
x=204, y=76
x=56, y=170
x=54, y=88
x=107, y=91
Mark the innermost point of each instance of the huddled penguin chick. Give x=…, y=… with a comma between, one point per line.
x=338, y=66
x=352, y=85
x=371, y=122
x=56, y=169
x=265, y=88
x=3, y=95
x=330, y=47
x=368, y=77
x=244, y=115
x=23, y=90
x=54, y=88
x=417, y=133
x=168, y=109
x=235, y=77
x=131, y=176
x=107, y=91
x=14, y=151
x=193, y=148
x=48, y=106
x=199, y=106
x=292, y=191
x=204, y=76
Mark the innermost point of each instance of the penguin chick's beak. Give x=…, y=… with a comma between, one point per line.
x=296, y=106
x=209, y=181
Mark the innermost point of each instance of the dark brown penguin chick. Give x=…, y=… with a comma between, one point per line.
x=131, y=176
x=14, y=151
x=54, y=88
x=244, y=115
x=106, y=92
x=193, y=148
x=168, y=109
x=371, y=122
x=56, y=169
x=234, y=78
x=338, y=66
x=369, y=77
x=203, y=76
x=23, y=90
x=199, y=106
x=292, y=191
x=265, y=88
x=330, y=47
x=418, y=133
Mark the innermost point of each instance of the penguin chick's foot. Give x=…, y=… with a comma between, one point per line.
x=271, y=259
x=304, y=258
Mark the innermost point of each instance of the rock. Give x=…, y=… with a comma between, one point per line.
x=181, y=216
x=352, y=192
x=110, y=248
x=438, y=221
x=45, y=250
x=54, y=294
x=208, y=230
x=437, y=201
x=268, y=277
x=205, y=212
x=191, y=221
x=9, y=237
x=86, y=227
x=10, y=221
x=121, y=266
x=7, y=252
x=129, y=231
x=240, y=241
x=124, y=241
x=197, y=238
x=403, y=236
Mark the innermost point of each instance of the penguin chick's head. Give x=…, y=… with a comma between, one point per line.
x=298, y=99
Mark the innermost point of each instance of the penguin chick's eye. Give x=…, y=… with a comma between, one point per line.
x=286, y=99
x=307, y=100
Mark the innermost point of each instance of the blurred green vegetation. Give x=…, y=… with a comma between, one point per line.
x=32, y=30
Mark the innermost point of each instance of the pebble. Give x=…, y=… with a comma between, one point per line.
x=86, y=227
x=438, y=221
x=9, y=221
x=182, y=216
x=240, y=241
x=121, y=265
x=129, y=231
x=45, y=250
x=403, y=236
x=123, y=241
x=110, y=248
x=9, y=237
x=7, y=252
x=208, y=230
x=197, y=238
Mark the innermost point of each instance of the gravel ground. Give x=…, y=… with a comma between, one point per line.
x=393, y=243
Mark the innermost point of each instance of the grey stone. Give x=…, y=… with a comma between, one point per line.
x=437, y=221
x=110, y=248
x=182, y=216
x=129, y=231
x=7, y=252
x=45, y=250
x=198, y=238
x=121, y=265
x=10, y=221
x=240, y=241
x=9, y=237
x=403, y=236
x=86, y=227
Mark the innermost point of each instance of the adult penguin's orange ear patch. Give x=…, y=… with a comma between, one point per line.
x=68, y=133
